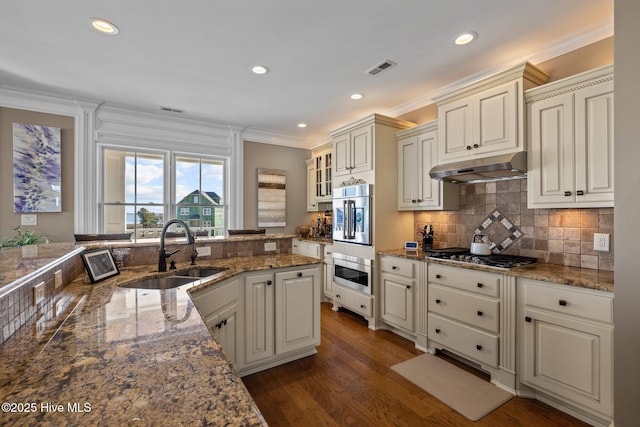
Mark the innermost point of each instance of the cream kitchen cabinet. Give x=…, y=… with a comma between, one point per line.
x=319, y=177
x=312, y=203
x=566, y=349
x=354, y=151
x=304, y=247
x=472, y=314
x=328, y=272
x=219, y=306
x=355, y=145
x=487, y=117
x=417, y=154
x=571, y=142
x=398, y=283
x=355, y=301
x=281, y=317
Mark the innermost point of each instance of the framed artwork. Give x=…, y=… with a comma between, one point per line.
x=272, y=198
x=99, y=264
x=36, y=169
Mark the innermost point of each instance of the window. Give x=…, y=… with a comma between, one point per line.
x=139, y=193
x=200, y=187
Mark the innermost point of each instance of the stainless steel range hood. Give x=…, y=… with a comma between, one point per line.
x=494, y=168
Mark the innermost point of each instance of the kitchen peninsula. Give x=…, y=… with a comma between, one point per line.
x=126, y=356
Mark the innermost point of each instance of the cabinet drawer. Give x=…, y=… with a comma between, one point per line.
x=215, y=297
x=355, y=301
x=465, y=279
x=568, y=301
x=399, y=266
x=476, y=310
x=328, y=252
x=466, y=341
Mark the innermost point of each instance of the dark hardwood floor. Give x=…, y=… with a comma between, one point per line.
x=350, y=383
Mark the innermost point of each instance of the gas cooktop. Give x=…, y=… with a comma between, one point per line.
x=463, y=255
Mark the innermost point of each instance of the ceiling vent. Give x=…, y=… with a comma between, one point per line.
x=172, y=110
x=383, y=66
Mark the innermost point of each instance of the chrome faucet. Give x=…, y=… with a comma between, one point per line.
x=162, y=259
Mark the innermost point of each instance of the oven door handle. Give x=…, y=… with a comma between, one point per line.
x=345, y=219
x=352, y=219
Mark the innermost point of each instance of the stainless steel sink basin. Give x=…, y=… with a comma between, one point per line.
x=158, y=283
x=200, y=272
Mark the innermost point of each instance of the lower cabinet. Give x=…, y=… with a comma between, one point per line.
x=567, y=347
x=219, y=306
x=281, y=317
x=398, y=283
x=355, y=301
x=264, y=319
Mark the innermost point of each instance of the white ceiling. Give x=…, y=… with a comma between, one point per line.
x=196, y=55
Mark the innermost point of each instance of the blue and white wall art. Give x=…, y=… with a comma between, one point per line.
x=36, y=168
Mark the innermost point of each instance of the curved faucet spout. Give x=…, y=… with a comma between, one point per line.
x=162, y=257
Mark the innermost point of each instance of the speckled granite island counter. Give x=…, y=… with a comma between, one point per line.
x=132, y=357
x=581, y=277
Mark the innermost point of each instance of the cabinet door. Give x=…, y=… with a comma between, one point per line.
x=397, y=301
x=259, y=317
x=225, y=327
x=429, y=190
x=594, y=144
x=496, y=119
x=407, y=173
x=298, y=310
x=456, y=129
x=311, y=188
x=328, y=278
x=362, y=150
x=342, y=152
x=551, y=176
x=569, y=358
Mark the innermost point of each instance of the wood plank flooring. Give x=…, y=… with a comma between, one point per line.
x=350, y=383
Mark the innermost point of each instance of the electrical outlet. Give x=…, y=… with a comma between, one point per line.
x=270, y=246
x=601, y=242
x=38, y=293
x=57, y=278
x=204, y=250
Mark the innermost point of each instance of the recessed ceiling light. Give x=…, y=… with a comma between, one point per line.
x=357, y=96
x=259, y=69
x=302, y=125
x=104, y=26
x=465, y=38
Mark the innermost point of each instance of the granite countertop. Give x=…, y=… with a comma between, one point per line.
x=128, y=356
x=572, y=276
x=323, y=240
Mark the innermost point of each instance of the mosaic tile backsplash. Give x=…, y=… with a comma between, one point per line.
x=555, y=236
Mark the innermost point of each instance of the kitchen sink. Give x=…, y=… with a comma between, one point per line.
x=158, y=283
x=200, y=272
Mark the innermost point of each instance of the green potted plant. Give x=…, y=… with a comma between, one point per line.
x=23, y=238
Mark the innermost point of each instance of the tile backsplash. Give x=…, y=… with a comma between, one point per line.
x=556, y=236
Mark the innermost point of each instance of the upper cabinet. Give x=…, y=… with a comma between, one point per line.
x=571, y=142
x=487, y=117
x=355, y=145
x=354, y=151
x=319, y=175
x=417, y=154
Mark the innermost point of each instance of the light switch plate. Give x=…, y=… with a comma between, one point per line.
x=29, y=219
x=270, y=246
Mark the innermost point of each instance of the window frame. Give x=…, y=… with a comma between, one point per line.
x=169, y=181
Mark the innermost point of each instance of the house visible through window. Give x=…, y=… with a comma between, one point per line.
x=138, y=194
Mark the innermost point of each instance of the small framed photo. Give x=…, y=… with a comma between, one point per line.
x=99, y=264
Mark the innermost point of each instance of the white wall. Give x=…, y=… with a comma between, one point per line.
x=627, y=215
